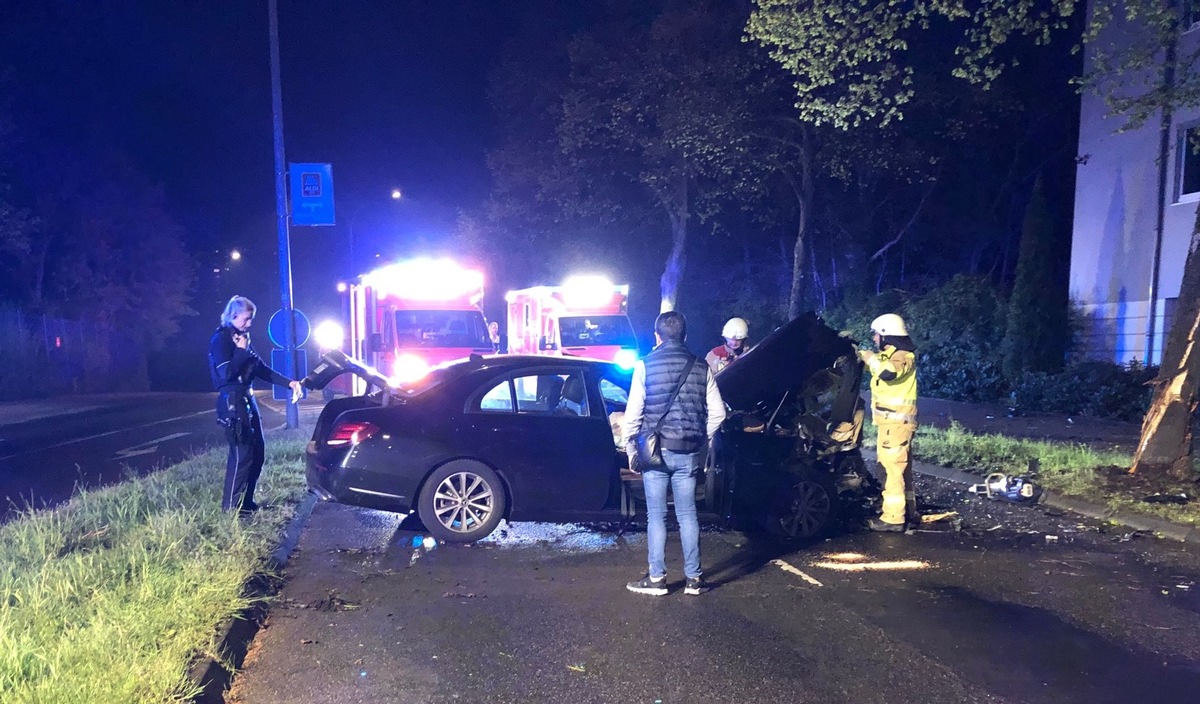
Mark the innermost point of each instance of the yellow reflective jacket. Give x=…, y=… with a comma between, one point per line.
x=893, y=385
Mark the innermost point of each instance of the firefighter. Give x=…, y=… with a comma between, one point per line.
x=894, y=410
x=735, y=333
x=234, y=366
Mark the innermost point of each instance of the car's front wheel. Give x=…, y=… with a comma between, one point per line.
x=806, y=508
x=462, y=501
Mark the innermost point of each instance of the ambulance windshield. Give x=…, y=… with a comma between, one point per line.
x=421, y=329
x=593, y=330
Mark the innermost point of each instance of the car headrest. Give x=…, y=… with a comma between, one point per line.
x=573, y=389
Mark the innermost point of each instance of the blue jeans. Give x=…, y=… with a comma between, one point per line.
x=680, y=474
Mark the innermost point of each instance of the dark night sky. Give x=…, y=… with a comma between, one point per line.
x=392, y=93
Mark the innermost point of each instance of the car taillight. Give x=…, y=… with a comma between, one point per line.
x=351, y=433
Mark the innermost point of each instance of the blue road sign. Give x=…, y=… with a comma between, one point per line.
x=283, y=393
x=312, y=194
x=276, y=323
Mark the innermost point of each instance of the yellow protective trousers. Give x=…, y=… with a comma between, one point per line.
x=894, y=448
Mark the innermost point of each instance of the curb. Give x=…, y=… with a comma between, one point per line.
x=213, y=676
x=1137, y=521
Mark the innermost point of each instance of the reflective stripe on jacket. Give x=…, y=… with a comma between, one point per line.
x=893, y=386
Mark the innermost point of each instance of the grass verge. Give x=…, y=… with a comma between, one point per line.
x=111, y=596
x=1072, y=469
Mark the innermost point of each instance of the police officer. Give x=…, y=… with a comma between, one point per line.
x=893, y=370
x=735, y=332
x=234, y=366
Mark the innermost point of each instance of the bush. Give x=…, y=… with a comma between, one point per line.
x=1088, y=387
x=957, y=330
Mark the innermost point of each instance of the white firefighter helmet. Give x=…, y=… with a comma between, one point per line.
x=889, y=325
x=736, y=329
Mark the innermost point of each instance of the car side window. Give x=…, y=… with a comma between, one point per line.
x=613, y=394
x=552, y=394
x=498, y=399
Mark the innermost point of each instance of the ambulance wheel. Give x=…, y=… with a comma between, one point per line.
x=462, y=501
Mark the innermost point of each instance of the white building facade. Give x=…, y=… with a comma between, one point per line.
x=1136, y=195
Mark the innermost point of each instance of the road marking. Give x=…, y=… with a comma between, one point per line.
x=111, y=432
x=856, y=562
x=788, y=568
x=874, y=566
x=147, y=447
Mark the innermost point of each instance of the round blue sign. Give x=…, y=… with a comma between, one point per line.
x=276, y=324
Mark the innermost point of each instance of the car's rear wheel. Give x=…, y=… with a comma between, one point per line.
x=462, y=501
x=807, y=507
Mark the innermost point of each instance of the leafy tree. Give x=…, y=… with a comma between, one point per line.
x=845, y=57
x=1038, y=329
x=666, y=108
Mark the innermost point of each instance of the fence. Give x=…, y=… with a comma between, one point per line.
x=42, y=355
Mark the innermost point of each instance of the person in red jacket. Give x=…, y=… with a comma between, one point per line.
x=735, y=333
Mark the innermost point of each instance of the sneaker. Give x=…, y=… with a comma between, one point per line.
x=879, y=526
x=249, y=505
x=646, y=585
x=694, y=586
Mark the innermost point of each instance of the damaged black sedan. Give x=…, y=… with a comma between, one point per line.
x=535, y=438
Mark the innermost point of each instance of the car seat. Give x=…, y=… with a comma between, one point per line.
x=573, y=396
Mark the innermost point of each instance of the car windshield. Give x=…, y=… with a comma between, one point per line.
x=586, y=330
x=425, y=329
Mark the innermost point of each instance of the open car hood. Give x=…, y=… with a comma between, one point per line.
x=784, y=361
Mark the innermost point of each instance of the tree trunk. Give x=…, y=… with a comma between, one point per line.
x=804, y=196
x=677, y=212
x=1166, y=442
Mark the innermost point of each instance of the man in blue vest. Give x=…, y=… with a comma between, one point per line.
x=675, y=387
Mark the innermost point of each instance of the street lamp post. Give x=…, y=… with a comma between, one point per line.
x=281, y=218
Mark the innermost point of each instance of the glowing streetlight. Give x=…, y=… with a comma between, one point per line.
x=329, y=335
x=235, y=255
x=397, y=194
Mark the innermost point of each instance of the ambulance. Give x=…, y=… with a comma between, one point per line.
x=584, y=317
x=411, y=316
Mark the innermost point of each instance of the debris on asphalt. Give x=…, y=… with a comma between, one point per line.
x=307, y=641
x=461, y=595
x=1051, y=538
x=1133, y=534
x=1180, y=498
x=332, y=602
x=576, y=668
x=935, y=517
x=416, y=555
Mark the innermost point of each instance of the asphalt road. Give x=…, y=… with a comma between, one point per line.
x=48, y=447
x=1022, y=605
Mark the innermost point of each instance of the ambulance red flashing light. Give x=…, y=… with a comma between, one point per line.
x=427, y=280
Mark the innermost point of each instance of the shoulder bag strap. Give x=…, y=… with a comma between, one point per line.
x=686, y=370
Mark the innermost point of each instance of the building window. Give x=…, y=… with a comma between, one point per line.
x=1188, y=161
x=1189, y=15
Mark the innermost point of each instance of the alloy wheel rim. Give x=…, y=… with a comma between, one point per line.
x=463, y=501
x=808, y=510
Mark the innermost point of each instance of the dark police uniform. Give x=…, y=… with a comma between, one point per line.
x=233, y=371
